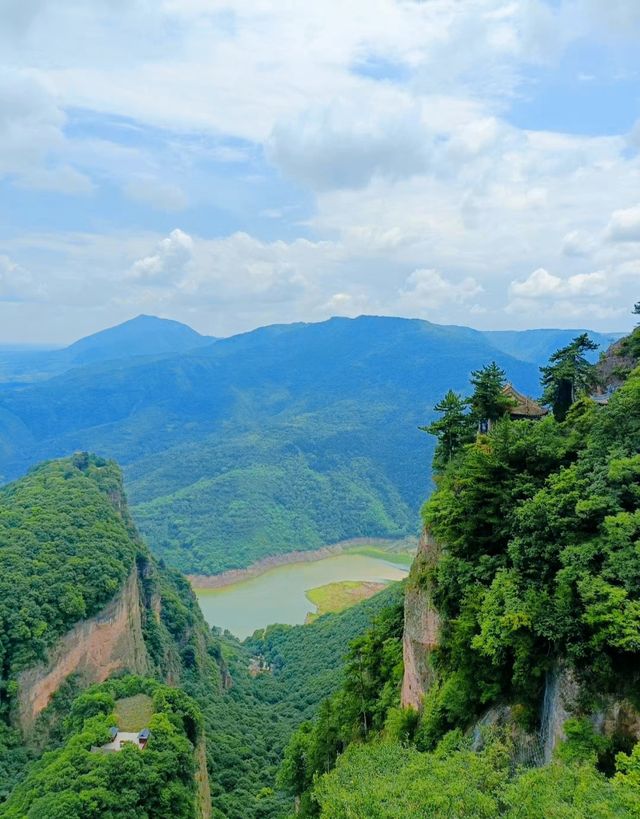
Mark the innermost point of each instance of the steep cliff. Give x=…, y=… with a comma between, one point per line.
x=526, y=620
x=93, y=604
x=421, y=633
x=93, y=650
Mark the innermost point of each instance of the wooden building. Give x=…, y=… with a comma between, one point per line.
x=524, y=407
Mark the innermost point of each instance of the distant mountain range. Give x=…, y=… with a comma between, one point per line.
x=141, y=336
x=289, y=436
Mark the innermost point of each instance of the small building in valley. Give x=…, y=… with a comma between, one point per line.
x=121, y=738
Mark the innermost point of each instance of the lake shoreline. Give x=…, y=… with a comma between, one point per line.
x=232, y=576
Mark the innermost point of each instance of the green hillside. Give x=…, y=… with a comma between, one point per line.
x=67, y=544
x=288, y=437
x=78, y=781
x=530, y=580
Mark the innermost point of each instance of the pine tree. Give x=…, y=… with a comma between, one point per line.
x=568, y=375
x=488, y=402
x=453, y=429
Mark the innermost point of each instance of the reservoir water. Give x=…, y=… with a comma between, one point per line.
x=279, y=595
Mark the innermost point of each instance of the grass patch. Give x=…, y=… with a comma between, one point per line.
x=339, y=596
x=133, y=713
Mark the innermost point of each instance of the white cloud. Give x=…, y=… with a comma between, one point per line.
x=61, y=179
x=346, y=304
x=538, y=285
x=392, y=115
x=577, y=243
x=32, y=139
x=624, y=225
x=30, y=122
x=160, y=195
x=541, y=285
x=16, y=283
x=242, y=268
x=344, y=145
x=170, y=262
x=426, y=289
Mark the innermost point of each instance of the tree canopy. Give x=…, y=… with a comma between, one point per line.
x=568, y=375
x=488, y=401
x=453, y=429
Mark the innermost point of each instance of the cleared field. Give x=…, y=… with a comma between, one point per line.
x=134, y=713
x=338, y=596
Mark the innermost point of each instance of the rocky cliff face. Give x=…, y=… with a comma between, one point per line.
x=616, y=716
x=421, y=633
x=94, y=649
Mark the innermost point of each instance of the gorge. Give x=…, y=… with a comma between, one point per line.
x=510, y=652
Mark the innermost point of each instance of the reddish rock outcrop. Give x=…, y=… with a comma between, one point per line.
x=421, y=633
x=94, y=649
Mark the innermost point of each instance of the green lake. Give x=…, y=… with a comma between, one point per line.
x=279, y=595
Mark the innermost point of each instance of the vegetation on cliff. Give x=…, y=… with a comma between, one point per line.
x=540, y=524
x=66, y=548
x=78, y=781
x=67, y=545
x=288, y=437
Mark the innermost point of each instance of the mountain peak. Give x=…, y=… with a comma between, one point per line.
x=141, y=335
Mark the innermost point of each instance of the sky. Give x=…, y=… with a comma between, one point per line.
x=235, y=164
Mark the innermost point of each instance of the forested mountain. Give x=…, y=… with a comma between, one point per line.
x=140, y=336
x=94, y=634
x=287, y=437
x=521, y=639
x=508, y=686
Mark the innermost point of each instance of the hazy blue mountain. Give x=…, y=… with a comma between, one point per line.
x=290, y=436
x=143, y=335
x=537, y=345
x=140, y=336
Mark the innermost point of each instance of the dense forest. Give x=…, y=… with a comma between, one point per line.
x=78, y=781
x=532, y=567
x=288, y=437
x=64, y=554
x=531, y=563
x=67, y=545
x=248, y=729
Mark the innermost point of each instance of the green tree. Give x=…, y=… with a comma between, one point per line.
x=453, y=429
x=568, y=375
x=488, y=402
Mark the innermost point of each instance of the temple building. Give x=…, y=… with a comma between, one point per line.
x=525, y=407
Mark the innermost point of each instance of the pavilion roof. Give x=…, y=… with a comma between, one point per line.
x=525, y=407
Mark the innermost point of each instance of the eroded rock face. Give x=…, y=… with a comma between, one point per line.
x=421, y=633
x=559, y=704
x=619, y=718
x=94, y=649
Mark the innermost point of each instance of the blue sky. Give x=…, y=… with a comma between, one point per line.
x=237, y=164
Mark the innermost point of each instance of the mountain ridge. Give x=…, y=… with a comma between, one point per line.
x=248, y=446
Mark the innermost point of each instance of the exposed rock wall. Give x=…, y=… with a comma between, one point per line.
x=560, y=703
x=421, y=634
x=94, y=649
x=616, y=717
